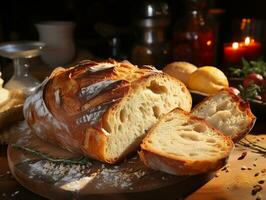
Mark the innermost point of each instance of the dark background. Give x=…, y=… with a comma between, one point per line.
x=17, y=19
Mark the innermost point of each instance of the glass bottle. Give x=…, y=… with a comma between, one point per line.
x=193, y=36
x=152, y=47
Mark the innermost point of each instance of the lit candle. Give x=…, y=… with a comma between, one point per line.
x=233, y=52
x=252, y=49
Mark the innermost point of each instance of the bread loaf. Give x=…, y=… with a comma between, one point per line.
x=102, y=109
x=182, y=144
x=226, y=112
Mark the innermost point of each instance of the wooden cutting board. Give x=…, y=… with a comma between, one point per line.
x=237, y=181
x=129, y=179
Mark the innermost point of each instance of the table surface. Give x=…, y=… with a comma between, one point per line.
x=240, y=178
x=233, y=183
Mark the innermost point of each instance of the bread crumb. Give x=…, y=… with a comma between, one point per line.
x=217, y=174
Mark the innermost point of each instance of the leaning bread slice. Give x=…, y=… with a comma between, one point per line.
x=226, y=112
x=182, y=144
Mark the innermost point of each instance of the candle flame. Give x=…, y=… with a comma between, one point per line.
x=235, y=45
x=247, y=40
x=209, y=42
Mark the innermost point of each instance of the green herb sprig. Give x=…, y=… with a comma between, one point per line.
x=81, y=160
x=251, y=92
x=253, y=146
x=258, y=67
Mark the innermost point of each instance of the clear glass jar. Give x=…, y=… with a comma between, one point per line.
x=151, y=46
x=193, y=36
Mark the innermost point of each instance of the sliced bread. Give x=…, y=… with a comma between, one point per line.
x=226, y=112
x=103, y=109
x=182, y=144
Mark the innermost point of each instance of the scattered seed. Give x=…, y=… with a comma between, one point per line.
x=263, y=171
x=227, y=170
x=223, y=169
x=261, y=181
x=243, y=167
x=243, y=155
x=256, y=174
x=254, y=164
x=249, y=168
x=256, y=189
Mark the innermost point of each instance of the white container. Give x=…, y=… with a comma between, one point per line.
x=58, y=37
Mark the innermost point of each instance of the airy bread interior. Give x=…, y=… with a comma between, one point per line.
x=223, y=112
x=127, y=126
x=180, y=137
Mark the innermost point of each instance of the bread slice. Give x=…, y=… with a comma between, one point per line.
x=182, y=144
x=103, y=109
x=226, y=112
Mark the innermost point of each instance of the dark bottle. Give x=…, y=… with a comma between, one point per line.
x=193, y=37
x=151, y=46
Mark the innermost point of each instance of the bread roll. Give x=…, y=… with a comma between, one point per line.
x=180, y=70
x=102, y=109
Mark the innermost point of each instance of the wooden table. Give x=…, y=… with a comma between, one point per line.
x=235, y=181
x=232, y=183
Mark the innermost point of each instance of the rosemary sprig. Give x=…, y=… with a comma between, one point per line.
x=81, y=160
x=257, y=148
x=255, y=145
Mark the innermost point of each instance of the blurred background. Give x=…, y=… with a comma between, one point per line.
x=143, y=31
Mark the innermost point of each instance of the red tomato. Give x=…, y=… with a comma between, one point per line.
x=252, y=78
x=234, y=90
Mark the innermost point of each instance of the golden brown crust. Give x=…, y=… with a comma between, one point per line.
x=70, y=108
x=242, y=105
x=179, y=167
x=173, y=164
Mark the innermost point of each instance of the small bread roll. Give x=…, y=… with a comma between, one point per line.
x=180, y=70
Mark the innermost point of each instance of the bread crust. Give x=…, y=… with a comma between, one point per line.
x=173, y=164
x=71, y=107
x=242, y=105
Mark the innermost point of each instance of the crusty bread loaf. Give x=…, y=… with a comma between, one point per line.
x=102, y=109
x=226, y=112
x=182, y=144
